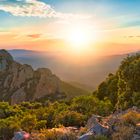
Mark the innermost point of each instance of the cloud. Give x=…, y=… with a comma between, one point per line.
x=35, y=8
x=132, y=36
x=29, y=8
x=34, y=35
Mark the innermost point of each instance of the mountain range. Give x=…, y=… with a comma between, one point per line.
x=85, y=76
x=20, y=82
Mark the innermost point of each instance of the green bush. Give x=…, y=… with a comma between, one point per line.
x=29, y=122
x=8, y=127
x=54, y=135
x=41, y=124
x=70, y=118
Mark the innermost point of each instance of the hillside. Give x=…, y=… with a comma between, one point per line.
x=72, y=91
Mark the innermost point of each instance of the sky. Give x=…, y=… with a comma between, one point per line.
x=72, y=27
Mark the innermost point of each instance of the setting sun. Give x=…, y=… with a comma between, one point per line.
x=78, y=37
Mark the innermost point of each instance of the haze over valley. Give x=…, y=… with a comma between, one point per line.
x=87, y=75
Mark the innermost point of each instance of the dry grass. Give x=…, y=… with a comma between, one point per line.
x=123, y=133
x=53, y=134
x=131, y=118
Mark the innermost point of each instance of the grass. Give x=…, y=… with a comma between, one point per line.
x=53, y=135
x=123, y=133
x=131, y=117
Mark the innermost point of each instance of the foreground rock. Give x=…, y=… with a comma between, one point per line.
x=95, y=128
x=122, y=125
x=21, y=135
x=21, y=83
x=63, y=133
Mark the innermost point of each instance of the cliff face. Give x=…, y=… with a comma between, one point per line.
x=21, y=83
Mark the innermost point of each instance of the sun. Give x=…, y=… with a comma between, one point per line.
x=79, y=38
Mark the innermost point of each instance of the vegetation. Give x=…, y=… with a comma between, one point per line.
x=126, y=126
x=37, y=116
x=53, y=135
x=72, y=91
x=123, y=133
x=122, y=88
x=118, y=91
x=131, y=118
x=99, y=137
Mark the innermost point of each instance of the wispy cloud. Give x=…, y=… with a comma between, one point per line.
x=35, y=8
x=34, y=35
x=132, y=36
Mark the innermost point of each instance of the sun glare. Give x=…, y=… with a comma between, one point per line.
x=80, y=37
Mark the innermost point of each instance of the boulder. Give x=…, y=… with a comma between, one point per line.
x=136, y=136
x=21, y=135
x=95, y=128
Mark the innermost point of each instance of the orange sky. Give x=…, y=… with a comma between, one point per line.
x=107, y=30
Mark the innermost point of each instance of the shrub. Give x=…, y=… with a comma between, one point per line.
x=70, y=118
x=28, y=123
x=99, y=137
x=8, y=127
x=46, y=134
x=123, y=133
x=82, y=131
x=41, y=124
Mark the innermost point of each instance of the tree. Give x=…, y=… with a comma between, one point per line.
x=122, y=88
x=108, y=89
x=128, y=84
x=86, y=105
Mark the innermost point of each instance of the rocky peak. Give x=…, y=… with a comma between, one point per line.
x=5, y=59
x=21, y=83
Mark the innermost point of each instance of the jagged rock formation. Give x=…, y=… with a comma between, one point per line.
x=21, y=83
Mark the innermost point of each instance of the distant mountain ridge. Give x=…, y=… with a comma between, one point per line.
x=90, y=76
x=22, y=83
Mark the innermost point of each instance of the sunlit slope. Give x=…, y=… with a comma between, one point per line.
x=72, y=91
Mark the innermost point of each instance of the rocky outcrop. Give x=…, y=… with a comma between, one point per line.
x=48, y=83
x=136, y=135
x=21, y=83
x=121, y=125
x=95, y=128
x=5, y=59
x=21, y=135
